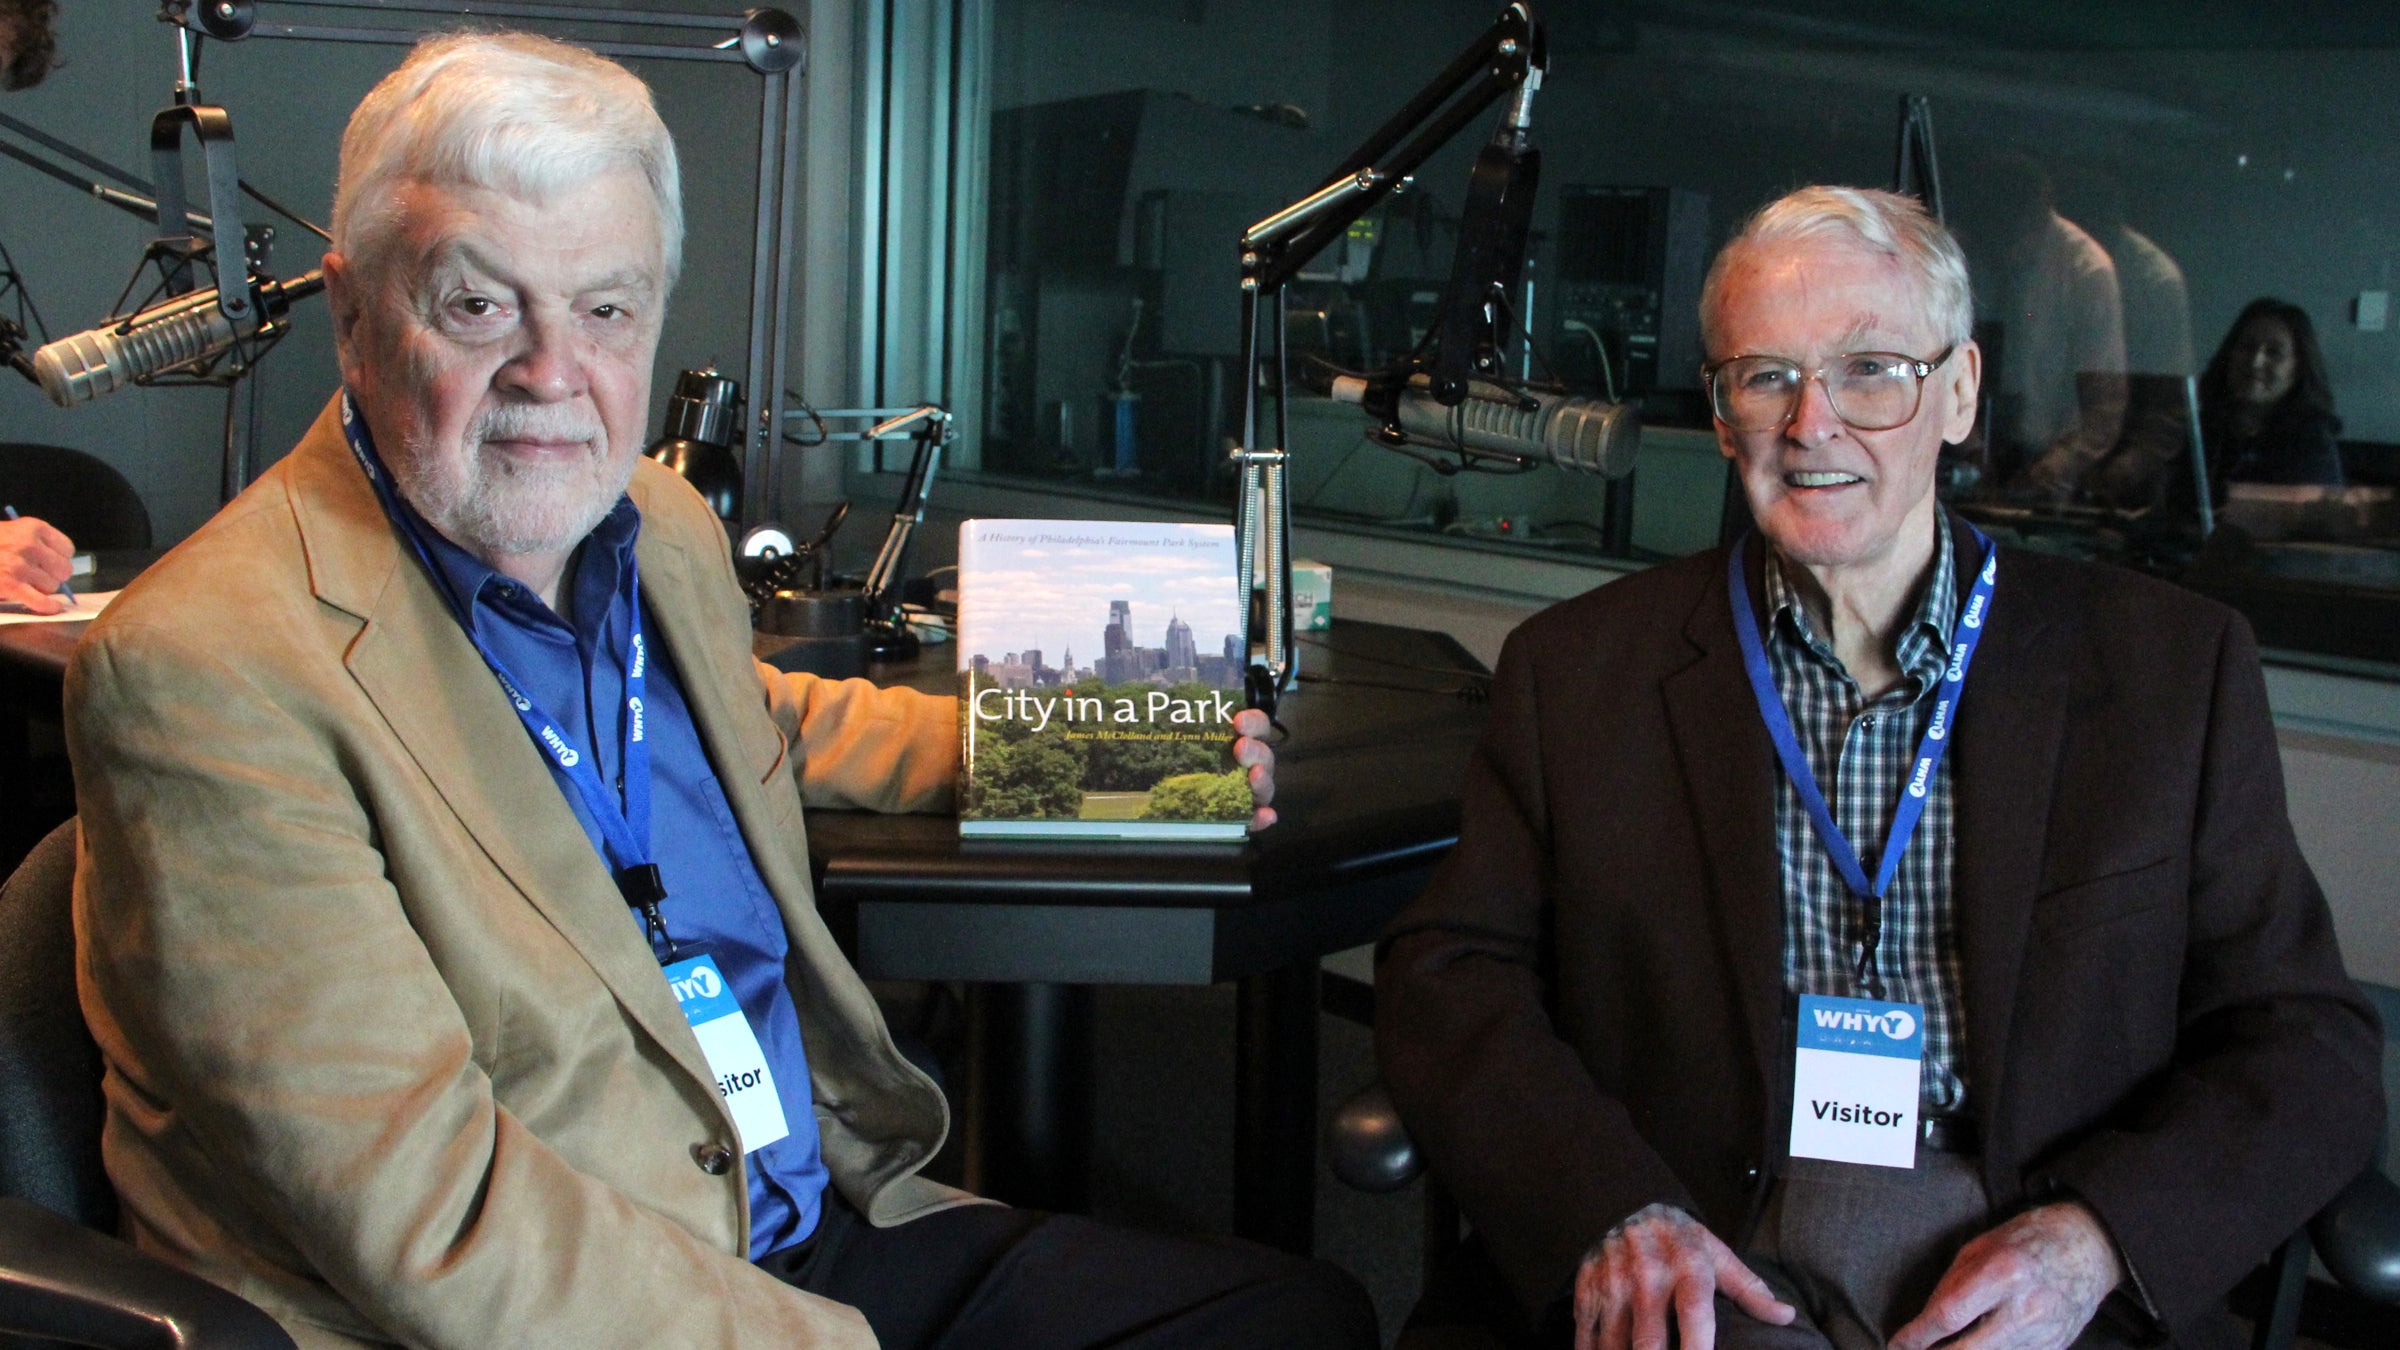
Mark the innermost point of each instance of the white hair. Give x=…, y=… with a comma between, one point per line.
x=510, y=112
x=1885, y=223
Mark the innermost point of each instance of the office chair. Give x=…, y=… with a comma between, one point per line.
x=76, y=492
x=2357, y=1237
x=62, y=1278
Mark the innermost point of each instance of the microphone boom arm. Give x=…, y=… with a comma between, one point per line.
x=1507, y=59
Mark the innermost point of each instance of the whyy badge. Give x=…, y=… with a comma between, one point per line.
x=1855, y=1078
x=733, y=1053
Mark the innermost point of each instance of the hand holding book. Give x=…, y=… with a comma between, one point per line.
x=1251, y=751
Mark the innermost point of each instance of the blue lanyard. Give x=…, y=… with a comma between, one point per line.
x=624, y=824
x=1936, y=743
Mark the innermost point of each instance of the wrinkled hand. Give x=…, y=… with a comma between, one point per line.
x=35, y=560
x=2033, y=1281
x=1251, y=751
x=1662, y=1259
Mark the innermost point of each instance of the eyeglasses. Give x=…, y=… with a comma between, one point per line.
x=1870, y=391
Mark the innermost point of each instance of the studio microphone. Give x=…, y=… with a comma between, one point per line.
x=1493, y=421
x=181, y=331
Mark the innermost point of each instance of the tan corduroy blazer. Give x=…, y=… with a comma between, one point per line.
x=385, y=1053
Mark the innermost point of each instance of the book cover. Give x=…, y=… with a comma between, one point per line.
x=1099, y=669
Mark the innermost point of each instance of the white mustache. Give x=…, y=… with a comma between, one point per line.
x=538, y=422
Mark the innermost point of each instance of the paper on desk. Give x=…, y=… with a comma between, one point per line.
x=88, y=605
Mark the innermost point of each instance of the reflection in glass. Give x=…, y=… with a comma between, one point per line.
x=2150, y=452
x=2266, y=406
x=2052, y=325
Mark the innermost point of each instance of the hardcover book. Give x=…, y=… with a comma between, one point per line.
x=1099, y=668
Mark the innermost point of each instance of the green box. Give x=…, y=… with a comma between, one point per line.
x=1312, y=595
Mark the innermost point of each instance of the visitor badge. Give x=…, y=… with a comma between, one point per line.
x=1855, y=1080
x=743, y=1078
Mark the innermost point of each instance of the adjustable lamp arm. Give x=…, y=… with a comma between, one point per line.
x=929, y=425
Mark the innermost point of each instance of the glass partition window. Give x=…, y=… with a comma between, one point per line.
x=2180, y=224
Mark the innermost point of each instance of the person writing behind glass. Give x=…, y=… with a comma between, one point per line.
x=1864, y=935
x=35, y=561
x=2266, y=406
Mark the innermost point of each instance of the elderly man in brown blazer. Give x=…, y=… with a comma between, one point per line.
x=1746, y=825
x=416, y=1031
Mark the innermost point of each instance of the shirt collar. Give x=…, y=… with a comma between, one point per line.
x=1923, y=648
x=603, y=557
x=481, y=588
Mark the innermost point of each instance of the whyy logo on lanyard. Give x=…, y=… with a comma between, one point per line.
x=1939, y=727
x=567, y=758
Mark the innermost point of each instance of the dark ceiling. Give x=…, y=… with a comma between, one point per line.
x=2020, y=25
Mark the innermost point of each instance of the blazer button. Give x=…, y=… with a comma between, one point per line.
x=714, y=1159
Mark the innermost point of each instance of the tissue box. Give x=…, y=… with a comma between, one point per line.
x=1312, y=595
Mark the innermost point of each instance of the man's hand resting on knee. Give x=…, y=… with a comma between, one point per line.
x=1662, y=1262
x=2033, y=1281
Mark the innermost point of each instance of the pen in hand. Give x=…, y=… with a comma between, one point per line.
x=10, y=513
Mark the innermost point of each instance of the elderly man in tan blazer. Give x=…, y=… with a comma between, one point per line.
x=388, y=1050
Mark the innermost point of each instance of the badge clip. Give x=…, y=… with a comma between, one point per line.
x=643, y=886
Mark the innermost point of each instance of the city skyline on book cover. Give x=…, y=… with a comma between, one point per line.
x=1100, y=665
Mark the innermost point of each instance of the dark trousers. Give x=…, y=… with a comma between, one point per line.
x=987, y=1275
x=1856, y=1250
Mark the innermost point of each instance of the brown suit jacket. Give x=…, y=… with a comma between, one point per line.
x=1585, y=1013
x=385, y=1053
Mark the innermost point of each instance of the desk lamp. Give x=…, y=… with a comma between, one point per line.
x=704, y=420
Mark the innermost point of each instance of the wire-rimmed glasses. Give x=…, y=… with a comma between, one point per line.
x=1870, y=391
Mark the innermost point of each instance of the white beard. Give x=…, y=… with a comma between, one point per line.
x=493, y=506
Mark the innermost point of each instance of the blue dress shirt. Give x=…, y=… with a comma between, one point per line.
x=716, y=902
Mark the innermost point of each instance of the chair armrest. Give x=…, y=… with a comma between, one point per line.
x=2358, y=1237
x=66, y=1282
x=1368, y=1147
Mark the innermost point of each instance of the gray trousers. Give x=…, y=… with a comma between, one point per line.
x=1857, y=1249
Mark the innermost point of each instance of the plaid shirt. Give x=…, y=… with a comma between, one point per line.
x=1860, y=750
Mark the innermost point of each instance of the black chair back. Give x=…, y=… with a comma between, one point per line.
x=77, y=493
x=50, y=1108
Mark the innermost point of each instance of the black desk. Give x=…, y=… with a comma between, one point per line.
x=1367, y=790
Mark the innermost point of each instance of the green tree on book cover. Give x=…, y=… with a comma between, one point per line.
x=1200, y=796
x=1035, y=779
